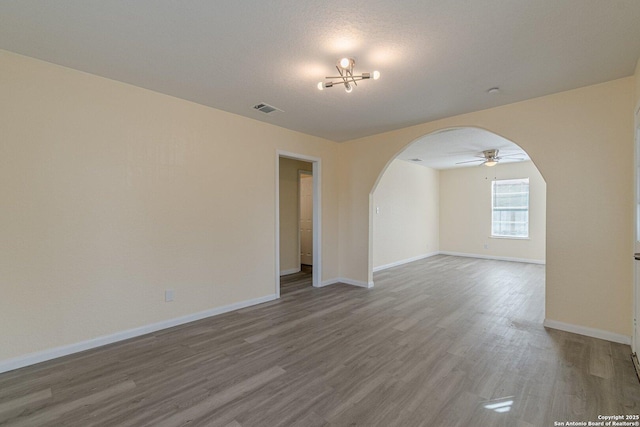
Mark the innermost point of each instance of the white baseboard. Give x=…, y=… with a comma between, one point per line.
x=589, y=332
x=53, y=353
x=497, y=258
x=290, y=271
x=356, y=283
x=347, y=282
x=328, y=282
x=404, y=261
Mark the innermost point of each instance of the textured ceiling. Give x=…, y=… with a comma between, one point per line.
x=437, y=58
x=447, y=148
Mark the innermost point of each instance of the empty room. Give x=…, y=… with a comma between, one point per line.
x=320, y=213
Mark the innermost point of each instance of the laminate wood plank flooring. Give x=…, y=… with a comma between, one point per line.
x=296, y=281
x=444, y=341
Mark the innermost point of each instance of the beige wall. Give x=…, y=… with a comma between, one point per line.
x=465, y=212
x=406, y=225
x=289, y=213
x=419, y=211
x=112, y=194
x=582, y=143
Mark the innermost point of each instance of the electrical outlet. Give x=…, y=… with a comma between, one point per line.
x=168, y=295
x=486, y=246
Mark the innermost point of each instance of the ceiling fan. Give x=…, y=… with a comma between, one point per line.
x=490, y=158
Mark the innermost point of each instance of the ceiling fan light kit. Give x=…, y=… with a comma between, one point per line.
x=347, y=78
x=491, y=157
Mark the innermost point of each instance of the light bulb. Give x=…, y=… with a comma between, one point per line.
x=320, y=86
x=348, y=88
x=490, y=163
x=376, y=75
x=345, y=62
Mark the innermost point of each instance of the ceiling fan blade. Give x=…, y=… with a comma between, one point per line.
x=511, y=155
x=472, y=161
x=503, y=157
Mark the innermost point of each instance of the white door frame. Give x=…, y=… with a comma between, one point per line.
x=317, y=215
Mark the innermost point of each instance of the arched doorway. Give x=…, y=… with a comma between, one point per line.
x=438, y=196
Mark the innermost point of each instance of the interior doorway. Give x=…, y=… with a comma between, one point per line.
x=438, y=197
x=496, y=213
x=298, y=246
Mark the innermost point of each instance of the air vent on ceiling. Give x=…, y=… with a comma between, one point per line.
x=266, y=108
x=415, y=160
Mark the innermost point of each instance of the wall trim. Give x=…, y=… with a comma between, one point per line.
x=497, y=258
x=65, y=350
x=405, y=261
x=329, y=282
x=347, y=282
x=589, y=332
x=355, y=283
x=290, y=271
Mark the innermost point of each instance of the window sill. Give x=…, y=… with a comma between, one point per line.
x=509, y=237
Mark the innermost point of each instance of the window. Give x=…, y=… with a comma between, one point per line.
x=510, y=208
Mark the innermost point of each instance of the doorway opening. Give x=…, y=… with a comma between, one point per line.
x=298, y=248
x=438, y=196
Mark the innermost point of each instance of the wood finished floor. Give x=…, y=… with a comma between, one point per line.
x=433, y=344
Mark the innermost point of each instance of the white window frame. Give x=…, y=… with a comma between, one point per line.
x=493, y=207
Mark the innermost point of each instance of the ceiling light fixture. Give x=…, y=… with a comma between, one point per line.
x=347, y=78
x=491, y=157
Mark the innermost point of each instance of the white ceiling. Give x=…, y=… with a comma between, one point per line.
x=437, y=58
x=445, y=149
